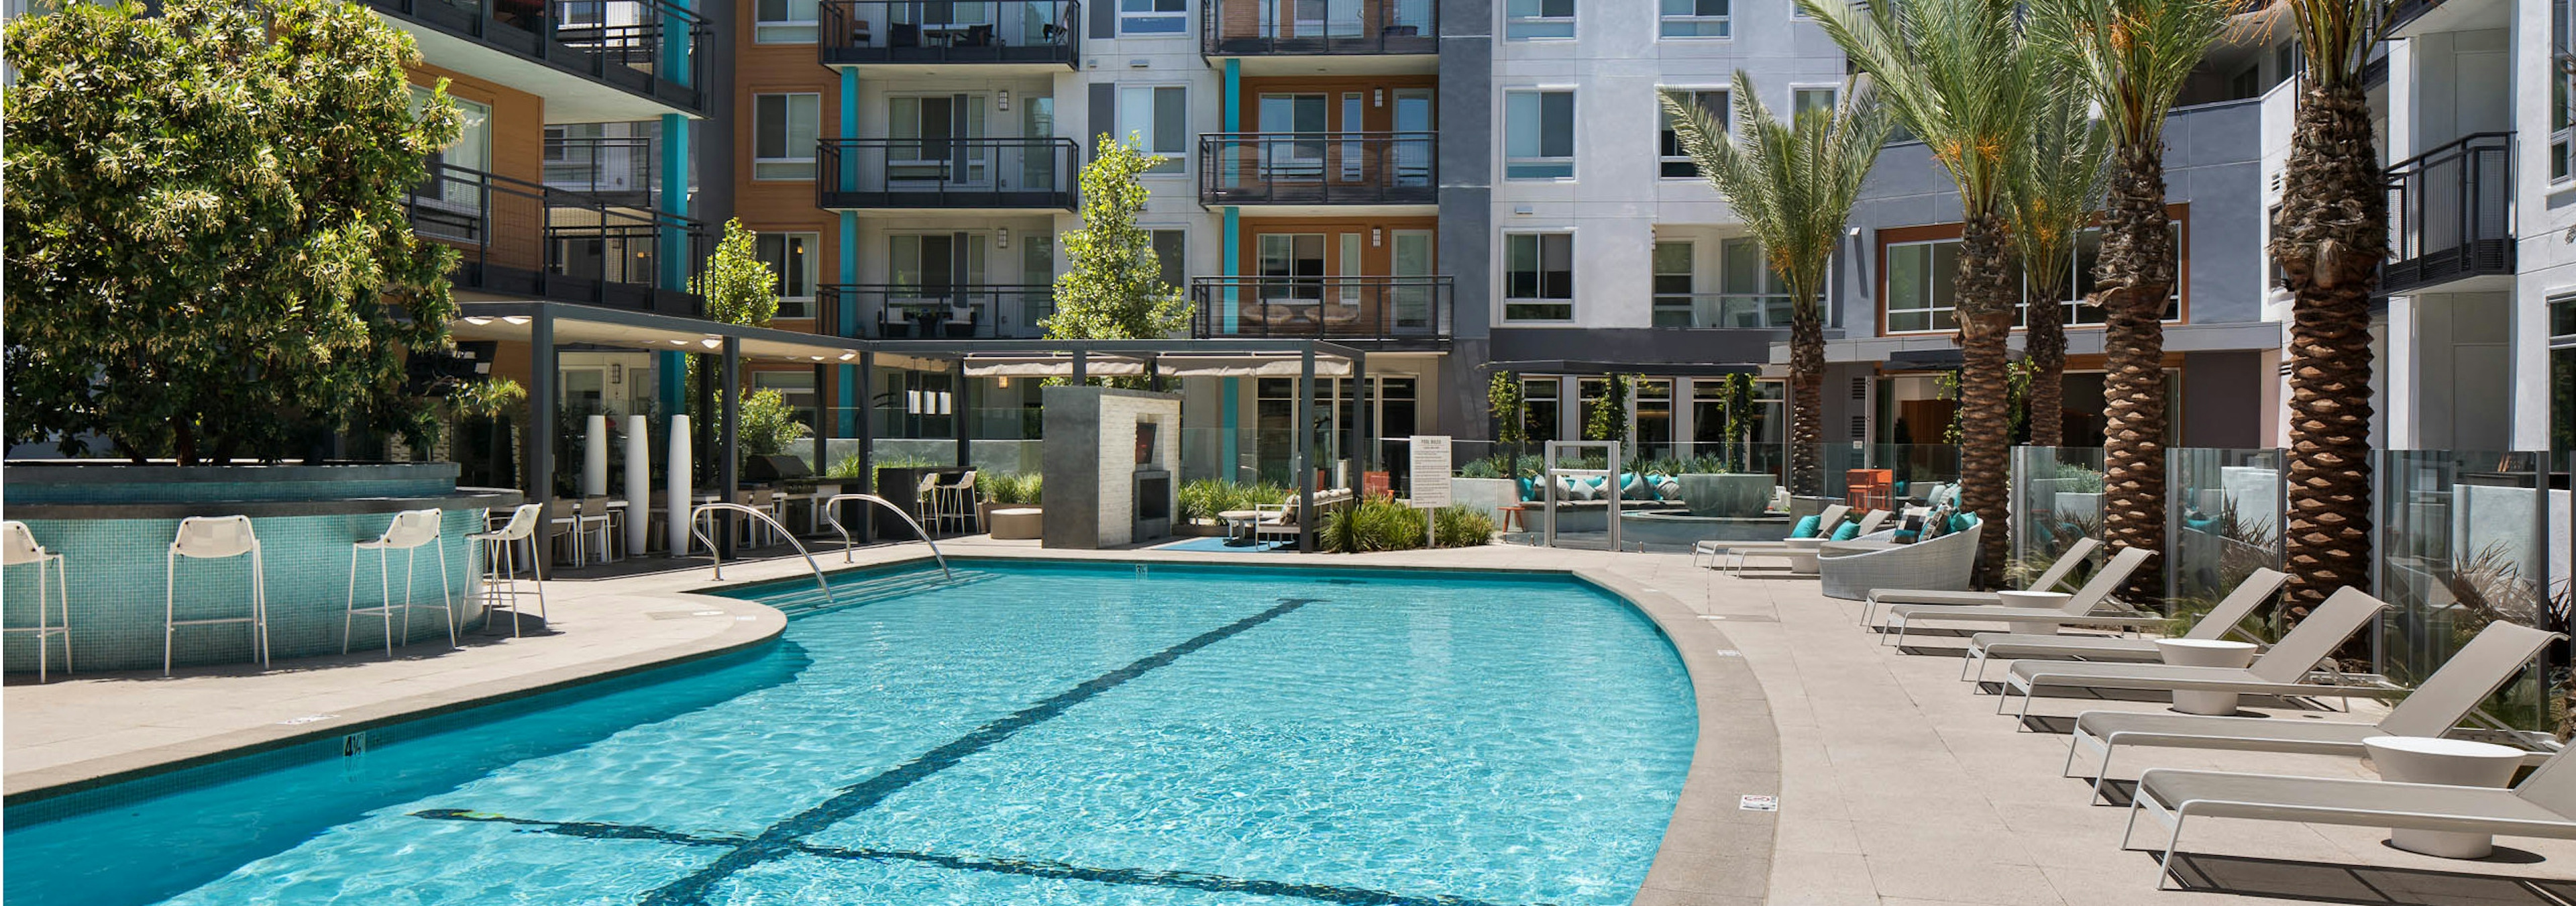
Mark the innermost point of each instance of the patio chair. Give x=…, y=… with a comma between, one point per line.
x=957, y=501
x=2543, y=805
x=1283, y=518
x=2078, y=611
x=1852, y=569
x=18, y=547
x=2286, y=670
x=2258, y=587
x=593, y=525
x=500, y=589
x=410, y=531
x=2076, y=554
x=1826, y=521
x=2434, y=709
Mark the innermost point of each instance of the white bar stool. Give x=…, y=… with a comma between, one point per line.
x=411, y=530
x=500, y=589
x=18, y=547
x=214, y=538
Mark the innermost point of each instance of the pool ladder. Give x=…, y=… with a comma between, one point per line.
x=699, y=515
x=832, y=514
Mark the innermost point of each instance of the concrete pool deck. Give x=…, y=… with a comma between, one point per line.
x=1897, y=784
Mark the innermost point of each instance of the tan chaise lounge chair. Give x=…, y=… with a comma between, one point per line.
x=2282, y=671
x=2435, y=708
x=2056, y=573
x=2543, y=805
x=2258, y=587
x=1827, y=520
x=2079, y=609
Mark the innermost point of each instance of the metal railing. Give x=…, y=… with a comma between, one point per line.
x=950, y=31
x=832, y=514
x=715, y=553
x=960, y=311
x=1723, y=310
x=520, y=238
x=1021, y=173
x=1230, y=28
x=617, y=168
x=2450, y=213
x=1383, y=308
x=649, y=47
x=1319, y=168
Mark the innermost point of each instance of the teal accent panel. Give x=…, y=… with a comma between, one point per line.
x=675, y=201
x=675, y=44
x=115, y=569
x=672, y=370
x=1233, y=95
x=1227, y=430
x=849, y=175
x=1233, y=266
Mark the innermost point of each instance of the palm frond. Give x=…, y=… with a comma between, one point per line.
x=2130, y=56
x=1793, y=184
x=2337, y=36
x=2056, y=186
x=1956, y=73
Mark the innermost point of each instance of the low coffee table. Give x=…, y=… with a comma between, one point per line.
x=1801, y=553
x=2451, y=762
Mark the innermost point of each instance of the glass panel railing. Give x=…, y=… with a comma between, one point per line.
x=2056, y=500
x=2222, y=522
x=2463, y=543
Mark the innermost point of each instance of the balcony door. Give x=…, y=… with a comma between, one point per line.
x=1300, y=159
x=1413, y=148
x=1292, y=268
x=934, y=141
x=1411, y=301
x=934, y=267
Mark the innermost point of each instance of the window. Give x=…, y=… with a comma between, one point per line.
x=1920, y=291
x=1749, y=293
x=784, y=129
x=1539, y=139
x=783, y=22
x=1677, y=163
x=1527, y=19
x=1538, y=276
x=1802, y=100
x=1693, y=19
x=1673, y=285
x=797, y=387
x=790, y=256
x=1538, y=408
x=1159, y=116
x=1153, y=17
x=1168, y=248
x=2562, y=92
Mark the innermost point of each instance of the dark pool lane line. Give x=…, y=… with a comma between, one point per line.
x=787, y=836
x=1031, y=868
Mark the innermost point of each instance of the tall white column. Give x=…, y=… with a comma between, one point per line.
x=639, y=481
x=594, y=456
x=677, y=492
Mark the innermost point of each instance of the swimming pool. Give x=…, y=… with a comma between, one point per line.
x=1039, y=733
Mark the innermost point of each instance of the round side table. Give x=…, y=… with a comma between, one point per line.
x=2450, y=762
x=1801, y=553
x=2205, y=653
x=2049, y=600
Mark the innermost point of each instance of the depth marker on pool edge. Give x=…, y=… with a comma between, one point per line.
x=787, y=836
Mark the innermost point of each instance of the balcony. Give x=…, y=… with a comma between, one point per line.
x=1042, y=33
x=516, y=238
x=960, y=312
x=984, y=174
x=1319, y=168
x=647, y=49
x=618, y=170
x=1723, y=310
x=1297, y=28
x=1398, y=310
x=2450, y=215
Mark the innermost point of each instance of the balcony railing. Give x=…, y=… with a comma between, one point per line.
x=2450, y=213
x=1723, y=310
x=905, y=173
x=1244, y=168
x=618, y=169
x=1347, y=308
x=963, y=311
x=1243, y=28
x=648, y=47
x=522, y=239
x=951, y=31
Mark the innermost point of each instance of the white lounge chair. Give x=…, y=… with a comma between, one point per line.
x=2282, y=671
x=2258, y=587
x=2078, y=611
x=2543, y=805
x=1826, y=521
x=2435, y=708
x=1850, y=570
x=2048, y=580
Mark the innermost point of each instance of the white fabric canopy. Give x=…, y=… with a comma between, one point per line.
x=1250, y=366
x=1050, y=366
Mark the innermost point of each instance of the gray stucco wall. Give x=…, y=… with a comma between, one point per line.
x=1466, y=212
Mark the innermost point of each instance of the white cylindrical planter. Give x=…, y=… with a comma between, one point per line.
x=2205, y=653
x=677, y=493
x=639, y=484
x=2450, y=762
x=594, y=456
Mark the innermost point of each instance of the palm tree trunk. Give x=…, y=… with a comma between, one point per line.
x=2137, y=273
x=2045, y=343
x=1986, y=295
x=2331, y=234
x=1806, y=398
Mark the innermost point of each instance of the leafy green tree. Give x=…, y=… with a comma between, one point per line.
x=207, y=252
x=738, y=289
x=1112, y=287
x=1511, y=422
x=769, y=424
x=1794, y=184
x=1608, y=419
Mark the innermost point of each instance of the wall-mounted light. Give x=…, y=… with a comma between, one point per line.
x=616, y=373
x=1377, y=98
x=1002, y=238
x=1377, y=236
x=1003, y=382
x=1002, y=99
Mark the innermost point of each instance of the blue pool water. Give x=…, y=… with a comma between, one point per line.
x=1042, y=733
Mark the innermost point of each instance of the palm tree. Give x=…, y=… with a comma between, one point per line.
x=1959, y=75
x=2328, y=237
x=2054, y=191
x=1794, y=185
x=2130, y=57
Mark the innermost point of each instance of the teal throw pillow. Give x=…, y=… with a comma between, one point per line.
x=1806, y=527
x=1849, y=531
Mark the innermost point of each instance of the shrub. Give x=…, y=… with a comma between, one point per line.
x=1011, y=487
x=1459, y=526
x=1206, y=497
x=1387, y=525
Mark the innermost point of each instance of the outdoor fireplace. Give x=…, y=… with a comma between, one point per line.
x=1153, y=486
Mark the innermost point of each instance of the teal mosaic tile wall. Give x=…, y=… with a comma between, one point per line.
x=115, y=570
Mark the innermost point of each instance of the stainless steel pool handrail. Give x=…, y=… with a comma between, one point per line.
x=832, y=514
x=717, y=554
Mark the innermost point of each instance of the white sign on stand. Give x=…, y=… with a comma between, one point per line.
x=1430, y=470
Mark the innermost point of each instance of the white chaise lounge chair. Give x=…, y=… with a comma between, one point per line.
x=2258, y=587
x=2433, y=709
x=2080, y=610
x=1827, y=520
x=2283, y=671
x=2048, y=580
x=2543, y=805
